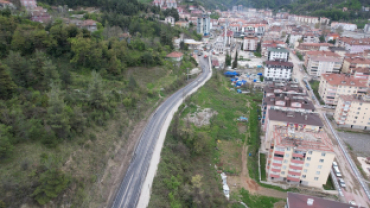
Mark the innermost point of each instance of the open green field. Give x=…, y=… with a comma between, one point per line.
x=193, y=156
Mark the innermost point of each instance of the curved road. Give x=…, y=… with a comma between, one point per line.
x=130, y=188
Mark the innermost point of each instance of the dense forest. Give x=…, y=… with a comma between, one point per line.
x=59, y=84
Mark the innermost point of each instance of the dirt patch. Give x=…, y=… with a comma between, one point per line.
x=244, y=181
x=242, y=128
x=280, y=204
x=201, y=117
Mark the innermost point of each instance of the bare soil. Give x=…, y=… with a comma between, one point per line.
x=244, y=181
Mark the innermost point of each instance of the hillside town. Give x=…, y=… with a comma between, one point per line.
x=299, y=122
x=314, y=77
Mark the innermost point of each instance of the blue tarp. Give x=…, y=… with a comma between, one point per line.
x=254, y=80
x=239, y=91
x=229, y=73
x=240, y=83
x=234, y=79
x=241, y=118
x=259, y=66
x=259, y=74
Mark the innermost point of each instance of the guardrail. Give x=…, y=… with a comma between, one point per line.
x=349, y=159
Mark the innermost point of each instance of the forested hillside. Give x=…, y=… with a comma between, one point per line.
x=69, y=100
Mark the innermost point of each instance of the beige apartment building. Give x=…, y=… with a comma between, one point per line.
x=323, y=62
x=353, y=112
x=354, y=62
x=299, y=156
x=333, y=85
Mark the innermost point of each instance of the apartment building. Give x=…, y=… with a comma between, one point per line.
x=353, y=45
x=320, y=62
x=361, y=73
x=278, y=54
x=353, y=112
x=355, y=62
x=283, y=101
x=303, y=48
x=285, y=95
x=203, y=25
x=299, y=151
x=278, y=71
x=333, y=85
x=266, y=44
x=250, y=43
x=295, y=200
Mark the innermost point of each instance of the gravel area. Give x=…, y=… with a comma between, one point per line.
x=360, y=142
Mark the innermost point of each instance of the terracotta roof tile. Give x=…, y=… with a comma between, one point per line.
x=344, y=80
x=175, y=54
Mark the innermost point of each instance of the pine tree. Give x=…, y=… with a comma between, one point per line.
x=235, y=63
x=7, y=85
x=58, y=119
x=97, y=98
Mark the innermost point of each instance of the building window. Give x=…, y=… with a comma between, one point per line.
x=307, y=164
x=358, y=108
x=310, y=152
x=288, y=148
x=285, y=161
x=323, y=154
x=319, y=167
x=303, y=176
x=283, y=172
x=305, y=170
x=317, y=172
x=356, y=117
x=308, y=158
x=316, y=178
x=321, y=160
x=286, y=155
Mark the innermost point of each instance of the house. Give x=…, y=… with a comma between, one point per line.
x=6, y=4
x=331, y=37
x=90, y=25
x=125, y=36
x=305, y=47
x=345, y=26
x=344, y=9
x=175, y=56
x=295, y=200
x=310, y=37
x=42, y=17
x=333, y=85
x=182, y=24
x=170, y=20
x=29, y=3
x=270, y=44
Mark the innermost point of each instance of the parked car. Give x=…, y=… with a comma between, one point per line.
x=341, y=183
x=335, y=164
x=352, y=203
x=337, y=172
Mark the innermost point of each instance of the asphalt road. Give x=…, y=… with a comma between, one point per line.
x=129, y=191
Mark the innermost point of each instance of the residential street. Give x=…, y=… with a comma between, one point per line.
x=353, y=190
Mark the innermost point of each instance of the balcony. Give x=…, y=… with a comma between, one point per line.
x=295, y=173
x=277, y=164
x=289, y=178
x=278, y=158
x=279, y=153
x=298, y=155
x=296, y=167
x=274, y=175
x=275, y=170
x=297, y=161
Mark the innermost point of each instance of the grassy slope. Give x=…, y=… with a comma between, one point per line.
x=87, y=156
x=178, y=163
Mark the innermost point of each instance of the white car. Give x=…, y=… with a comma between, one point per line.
x=352, y=203
x=341, y=183
x=335, y=164
x=337, y=172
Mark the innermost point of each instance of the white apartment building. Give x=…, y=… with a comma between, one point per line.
x=323, y=62
x=278, y=71
x=250, y=43
x=278, y=54
x=333, y=85
x=353, y=112
x=203, y=25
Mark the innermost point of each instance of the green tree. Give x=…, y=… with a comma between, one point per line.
x=7, y=86
x=235, y=63
x=322, y=39
x=58, y=118
x=6, y=147
x=51, y=184
x=97, y=98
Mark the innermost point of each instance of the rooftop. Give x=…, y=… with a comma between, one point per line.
x=357, y=60
x=354, y=98
x=302, y=201
x=175, y=54
x=278, y=49
x=343, y=79
x=296, y=116
x=322, y=53
x=288, y=99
